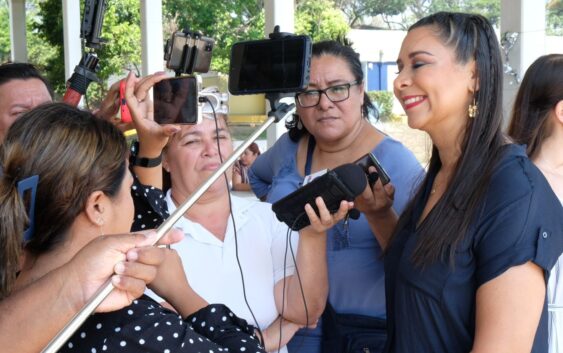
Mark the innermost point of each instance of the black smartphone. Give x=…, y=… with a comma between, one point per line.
x=369, y=160
x=175, y=47
x=188, y=52
x=278, y=65
x=202, y=60
x=176, y=101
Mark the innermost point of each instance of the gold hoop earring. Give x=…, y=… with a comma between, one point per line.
x=473, y=109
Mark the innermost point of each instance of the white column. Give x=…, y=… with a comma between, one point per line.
x=278, y=12
x=152, y=50
x=71, y=35
x=18, y=38
x=527, y=18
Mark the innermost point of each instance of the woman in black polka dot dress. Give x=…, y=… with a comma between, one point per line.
x=147, y=327
x=84, y=193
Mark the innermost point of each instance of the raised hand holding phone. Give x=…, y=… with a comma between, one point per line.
x=152, y=136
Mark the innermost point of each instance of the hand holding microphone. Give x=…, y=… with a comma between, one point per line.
x=345, y=182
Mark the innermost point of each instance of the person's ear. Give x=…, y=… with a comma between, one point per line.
x=559, y=111
x=96, y=205
x=165, y=164
x=474, y=74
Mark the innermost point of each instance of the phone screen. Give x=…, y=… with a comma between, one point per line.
x=175, y=101
x=270, y=65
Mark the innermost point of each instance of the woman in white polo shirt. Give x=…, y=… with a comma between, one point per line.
x=222, y=229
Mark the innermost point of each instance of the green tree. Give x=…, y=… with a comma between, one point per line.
x=4, y=32
x=320, y=19
x=226, y=22
x=413, y=10
x=554, y=18
x=356, y=10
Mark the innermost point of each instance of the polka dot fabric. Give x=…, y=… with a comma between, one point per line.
x=150, y=206
x=145, y=326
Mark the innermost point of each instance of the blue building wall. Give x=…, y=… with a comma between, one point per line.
x=377, y=75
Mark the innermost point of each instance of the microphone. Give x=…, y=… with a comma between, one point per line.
x=342, y=183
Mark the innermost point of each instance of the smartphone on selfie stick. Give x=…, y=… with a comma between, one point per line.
x=176, y=100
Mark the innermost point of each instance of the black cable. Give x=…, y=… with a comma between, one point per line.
x=287, y=236
x=288, y=245
x=300, y=283
x=233, y=220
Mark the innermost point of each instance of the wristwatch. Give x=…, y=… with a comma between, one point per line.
x=135, y=160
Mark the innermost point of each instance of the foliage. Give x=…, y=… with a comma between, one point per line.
x=122, y=51
x=320, y=19
x=417, y=9
x=225, y=21
x=383, y=101
x=232, y=21
x=554, y=18
x=4, y=32
x=356, y=10
x=48, y=50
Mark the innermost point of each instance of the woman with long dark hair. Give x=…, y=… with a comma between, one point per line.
x=466, y=267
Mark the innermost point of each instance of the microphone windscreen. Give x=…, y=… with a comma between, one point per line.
x=353, y=177
x=343, y=183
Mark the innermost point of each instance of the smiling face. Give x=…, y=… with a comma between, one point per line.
x=434, y=89
x=19, y=96
x=330, y=121
x=192, y=155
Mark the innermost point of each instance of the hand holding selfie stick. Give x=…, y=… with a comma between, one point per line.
x=279, y=112
x=85, y=71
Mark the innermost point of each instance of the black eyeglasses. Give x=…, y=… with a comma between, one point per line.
x=335, y=94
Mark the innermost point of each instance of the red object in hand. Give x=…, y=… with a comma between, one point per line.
x=125, y=114
x=72, y=97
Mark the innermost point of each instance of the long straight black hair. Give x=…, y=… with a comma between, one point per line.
x=472, y=38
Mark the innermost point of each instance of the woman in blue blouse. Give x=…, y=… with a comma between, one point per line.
x=467, y=266
x=332, y=129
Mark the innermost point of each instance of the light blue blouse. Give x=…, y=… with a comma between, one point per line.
x=355, y=267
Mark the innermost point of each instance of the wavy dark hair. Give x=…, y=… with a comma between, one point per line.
x=345, y=52
x=472, y=38
x=74, y=154
x=540, y=90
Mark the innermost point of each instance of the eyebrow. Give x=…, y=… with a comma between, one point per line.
x=336, y=82
x=415, y=53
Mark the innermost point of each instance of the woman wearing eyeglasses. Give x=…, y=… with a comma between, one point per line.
x=332, y=128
